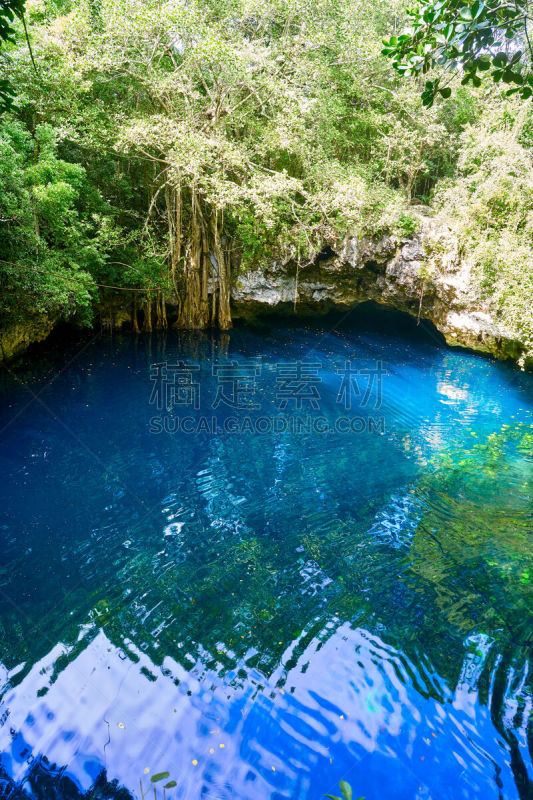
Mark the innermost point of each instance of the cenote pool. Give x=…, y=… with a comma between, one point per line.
x=324, y=574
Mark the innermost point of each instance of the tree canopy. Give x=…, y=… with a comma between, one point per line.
x=163, y=148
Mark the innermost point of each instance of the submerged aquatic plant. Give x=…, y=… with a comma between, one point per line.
x=157, y=778
x=346, y=791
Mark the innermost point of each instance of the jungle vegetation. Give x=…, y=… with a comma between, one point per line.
x=165, y=147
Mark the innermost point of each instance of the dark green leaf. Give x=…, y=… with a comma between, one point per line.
x=476, y=9
x=512, y=77
x=500, y=60
x=159, y=776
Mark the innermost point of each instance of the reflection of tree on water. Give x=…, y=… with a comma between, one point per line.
x=391, y=703
x=228, y=586
x=473, y=558
x=474, y=540
x=235, y=562
x=47, y=782
x=487, y=679
x=466, y=569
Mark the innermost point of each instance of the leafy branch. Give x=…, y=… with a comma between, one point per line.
x=472, y=38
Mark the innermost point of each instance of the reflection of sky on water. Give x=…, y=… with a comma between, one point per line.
x=350, y=707
x=368, y=628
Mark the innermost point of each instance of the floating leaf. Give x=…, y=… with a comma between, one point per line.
x=347, y=793
x=159, y=776
x=346, y=790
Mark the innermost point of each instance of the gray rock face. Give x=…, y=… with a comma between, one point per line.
x=390, y=271
x=394, y=272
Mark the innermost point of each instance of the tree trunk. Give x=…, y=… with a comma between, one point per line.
x=148, y=313
x=223, y=265
x=201, y=276
x=157, y=310
x=174, y=203
x=135, y=321
x=161, y=314
x=191, y=316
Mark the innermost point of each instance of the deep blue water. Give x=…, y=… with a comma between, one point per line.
x=260, y=613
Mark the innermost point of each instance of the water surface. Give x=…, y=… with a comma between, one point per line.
x=262, y=614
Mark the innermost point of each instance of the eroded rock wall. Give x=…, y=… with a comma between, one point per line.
x=396, y=272
x=17, y=337
x=390, y=271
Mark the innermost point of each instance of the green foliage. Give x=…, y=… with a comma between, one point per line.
x=53, y=231
x=346, y=791
x=473, y=36
x=9, y=11
x=267, y=112
x=407, y=225
x=488, y=212
x=282, y=119
x=160, y=776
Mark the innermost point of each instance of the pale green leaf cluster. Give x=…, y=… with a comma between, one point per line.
x=489, y=209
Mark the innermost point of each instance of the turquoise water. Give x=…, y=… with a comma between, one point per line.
x=277, y=598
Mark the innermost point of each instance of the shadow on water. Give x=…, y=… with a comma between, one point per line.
x=368, y=317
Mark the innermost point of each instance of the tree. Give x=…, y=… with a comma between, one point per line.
x=486, y=211
x=56, y=228
x=9, y=10
x=244, y=116
x=217, y=137
x=470, y=37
